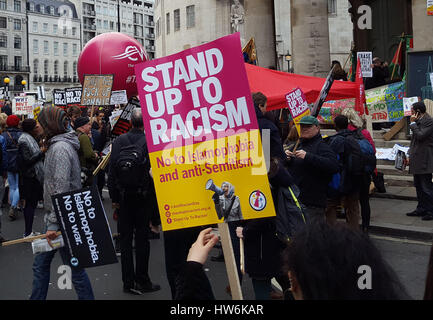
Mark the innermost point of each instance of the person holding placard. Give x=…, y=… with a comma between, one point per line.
x=62, y=174
x=380, y=74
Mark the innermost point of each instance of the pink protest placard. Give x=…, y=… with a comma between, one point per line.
x=198, y=94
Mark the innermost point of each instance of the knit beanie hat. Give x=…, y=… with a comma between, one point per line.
x=53, y=120
x=12, y=121
x=81, y=121
x=28, y=125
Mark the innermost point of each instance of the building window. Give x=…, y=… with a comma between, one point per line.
x=17, y=24
x=18, y=62
x=111, y=25
x=105, y=24
x=56, y=48
x=35, y=46
x=45, y=28
x=42, y=8
x=3, y=62
x=65, y=69
x=332, y=6
x=17, y=5
x=74, y=68
x=17, y=42
x=74, y=49
x=3, y=22
x=32, y=6
x=3, y=41
x=3, y=4
x=74, y=31
x=167, y=19
x=46, y=67
x=65, y=30
x=56, y=68
x=46, y=49
x=138, y=18
x=176, y=16
x=55, y=28
x=35, y=26
x=52, y=10
x=190, y=16
x=98, y=23
x=158, y=28
x=35, y=66
x=65, y=49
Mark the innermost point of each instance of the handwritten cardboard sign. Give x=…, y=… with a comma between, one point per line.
x=97, y=90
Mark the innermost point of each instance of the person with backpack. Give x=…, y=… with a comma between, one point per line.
x=130, y=186
x=31, y=166
x=350, y=148
x=356, y=125
x=88, y=157
x=11, y=135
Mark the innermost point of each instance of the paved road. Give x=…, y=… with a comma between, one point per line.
x=409, y=260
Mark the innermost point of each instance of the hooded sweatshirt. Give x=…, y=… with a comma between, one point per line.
x=235, y=213
x=62, y=172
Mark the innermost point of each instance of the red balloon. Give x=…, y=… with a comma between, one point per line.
x=113, y=53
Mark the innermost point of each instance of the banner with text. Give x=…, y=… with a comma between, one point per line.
x=298, y=106
x=73, y=96
x=203, y=138
x=85, y=228
x=385, y=104
x=59, y=98
x=123, y=124
x=118, y=97
x=23, y=105
x=97, y=90
x=366, y=60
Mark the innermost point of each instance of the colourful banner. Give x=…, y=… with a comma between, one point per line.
x=430, y=7
x=298, y=106
x=202, y=132
x=385, y=104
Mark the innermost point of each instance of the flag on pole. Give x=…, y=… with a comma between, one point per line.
x=360, y=97
x=250, y=53
x=394, y=67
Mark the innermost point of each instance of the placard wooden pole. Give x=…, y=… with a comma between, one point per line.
x=296, y=145
x=29, y=239
x=229, y=258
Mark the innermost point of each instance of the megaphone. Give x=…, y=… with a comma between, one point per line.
x=210, y=185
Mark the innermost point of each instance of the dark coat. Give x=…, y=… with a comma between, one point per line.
x=192, y=283
x=276, y=146
x=421, y=146
x=262, y=248
x=11, y=145
x=380, y=74
x=313, y=174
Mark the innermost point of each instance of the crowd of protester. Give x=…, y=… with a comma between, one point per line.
x=318, y=260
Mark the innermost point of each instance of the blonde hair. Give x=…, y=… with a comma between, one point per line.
x=3, y=118
x=353, y=117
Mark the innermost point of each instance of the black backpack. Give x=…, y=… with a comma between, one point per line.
x=359, y=154
x=130, y=168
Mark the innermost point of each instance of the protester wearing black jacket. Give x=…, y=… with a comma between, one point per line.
x=380, y=74
x=136, y=211
x=312, y=166
x=276, y=146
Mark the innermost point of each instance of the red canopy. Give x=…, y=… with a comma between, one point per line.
x=276, y=84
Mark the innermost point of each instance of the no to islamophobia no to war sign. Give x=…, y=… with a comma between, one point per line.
x=200, y=124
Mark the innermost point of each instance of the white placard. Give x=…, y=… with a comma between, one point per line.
x=118, y=97
x=23, y=105
x=366, y=60
x=431, y=80
x=407, y=105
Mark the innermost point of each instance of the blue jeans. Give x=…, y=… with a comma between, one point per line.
x=41, y=276
x=14, y=192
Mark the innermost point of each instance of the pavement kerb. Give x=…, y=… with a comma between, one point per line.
x=402, y=231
